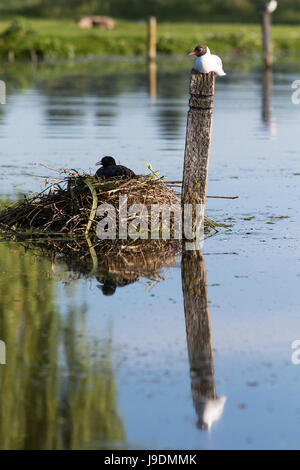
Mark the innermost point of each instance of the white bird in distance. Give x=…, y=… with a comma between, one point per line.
x=271, y=6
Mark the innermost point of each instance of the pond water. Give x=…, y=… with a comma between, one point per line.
x=88, y=370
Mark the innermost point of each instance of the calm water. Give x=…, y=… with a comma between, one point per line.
x=85, y=370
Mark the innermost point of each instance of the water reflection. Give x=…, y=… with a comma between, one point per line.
x=267, y=92
x=51, y=357
x=152, y=73
x=209, y=407
x=57, y=389
x=114, y=271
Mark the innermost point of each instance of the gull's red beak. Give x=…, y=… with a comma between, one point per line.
x=192, y=53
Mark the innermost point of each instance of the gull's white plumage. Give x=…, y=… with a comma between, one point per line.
x=271, y=6
x=209, y=63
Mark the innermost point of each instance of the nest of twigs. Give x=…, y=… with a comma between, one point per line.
x=63, y=216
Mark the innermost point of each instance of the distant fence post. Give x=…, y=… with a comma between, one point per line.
x=267, y=11
x=152, y=38
x=198, y=139
x=267, y=42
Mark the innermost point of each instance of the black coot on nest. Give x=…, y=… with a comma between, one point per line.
x=110, y=169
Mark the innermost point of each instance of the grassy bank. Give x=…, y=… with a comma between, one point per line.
x=221, y=11
x=52, y=39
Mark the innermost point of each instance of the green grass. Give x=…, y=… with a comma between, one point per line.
x=53, y=38
x=219, y=11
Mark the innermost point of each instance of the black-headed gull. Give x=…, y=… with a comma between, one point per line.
x=206, y=62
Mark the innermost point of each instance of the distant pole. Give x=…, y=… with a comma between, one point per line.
x=152, y=38
x=267, y=11
x=198, y=139
x=267, y=41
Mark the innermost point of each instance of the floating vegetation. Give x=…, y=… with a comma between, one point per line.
x=279, y=217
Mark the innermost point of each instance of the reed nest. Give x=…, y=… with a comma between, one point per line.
x=63, y=216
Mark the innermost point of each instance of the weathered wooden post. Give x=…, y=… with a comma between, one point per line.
x=267, y=11
x=152, y=38
x=198, y=139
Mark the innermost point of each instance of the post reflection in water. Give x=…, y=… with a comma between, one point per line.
x=152, y=74
x=58, y=388
x=208, y=406
x=267, y=91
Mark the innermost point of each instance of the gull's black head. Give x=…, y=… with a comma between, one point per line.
x=199, y=51
x=107, y=161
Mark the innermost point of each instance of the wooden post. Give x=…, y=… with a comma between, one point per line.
x=266, y=39
x=152, y=38
x=198, y=139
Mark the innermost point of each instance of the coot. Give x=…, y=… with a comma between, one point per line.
x=110, y=169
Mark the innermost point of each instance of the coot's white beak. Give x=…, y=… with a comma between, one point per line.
x=99, y=163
